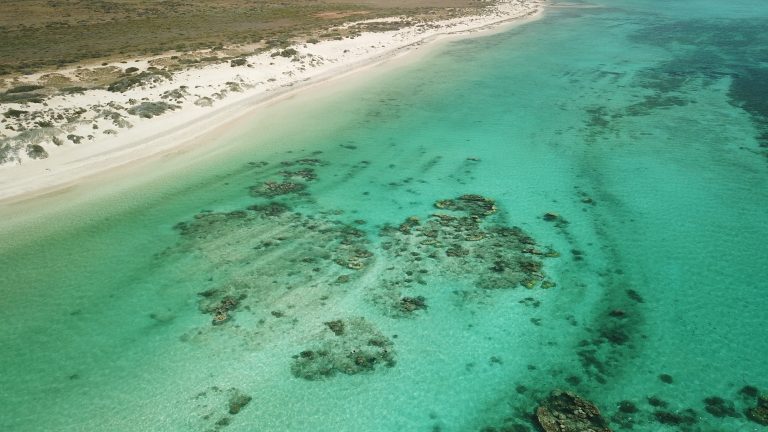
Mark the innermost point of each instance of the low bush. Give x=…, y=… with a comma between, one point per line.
x=24, y=89
x=238, y=62
x=289, y=52
x=8, y=152
x=74, y=89
x=14, y=113
x=146, y=77
x=36, y=151
x=21, y=98
x=151, y=109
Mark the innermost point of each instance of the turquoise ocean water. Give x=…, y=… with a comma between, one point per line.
x=283, y=283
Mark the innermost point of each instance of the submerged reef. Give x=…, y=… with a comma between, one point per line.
x=291, y=182
x=271, y=189
x=347, y=346
x=219, y=308
x=720, y=407
x=474, y=205
x=463, y=242
x=759, y=414
x=466, y=240
x=216, y=407
x=256, y=257
x=269, y=268
x=564, y=411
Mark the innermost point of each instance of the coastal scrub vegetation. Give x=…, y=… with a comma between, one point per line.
x=288, y=52
x=21, y=97
x=140, y=79
x=14, y=113
x=40, y=34
x=151, y=109
x=238, y=62
x=36, y=151
x=23, y=89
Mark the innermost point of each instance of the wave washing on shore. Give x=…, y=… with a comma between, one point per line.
x=574, y=204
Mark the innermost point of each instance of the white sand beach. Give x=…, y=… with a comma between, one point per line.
x=96, y=130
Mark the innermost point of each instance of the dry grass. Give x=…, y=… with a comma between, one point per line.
x=41, y=34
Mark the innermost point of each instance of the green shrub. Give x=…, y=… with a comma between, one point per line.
x=151, y=109
x=116, y=117
x=131, y=81
x=21, y=98
x=289, y=52
x=36, y=151
x=7, y=152
x=238, y=62
x=14, y=113
x=131, y=69
x=72, y=90
x=24, y=89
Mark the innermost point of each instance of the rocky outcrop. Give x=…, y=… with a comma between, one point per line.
x=564, y=411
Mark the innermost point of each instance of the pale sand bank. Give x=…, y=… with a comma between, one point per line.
x=210, y=99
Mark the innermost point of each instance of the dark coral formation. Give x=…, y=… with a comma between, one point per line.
x=307, y=174
x=759, y=414
x=219, y=306
x=475, y=205
x=216, y=407
x=270, y=209
x=272, y=189
x=564, y=411
x=238, y=401
x=291, y=182
x=411, y=304
x=686, y=417
x=336, y=326
x=634, y=295
x=626, y=415
x=627, y=407
x=465, y=243
x=468, y=240
x=360, y=347
x=749, y=391
x=720, y=407
x=613, y=336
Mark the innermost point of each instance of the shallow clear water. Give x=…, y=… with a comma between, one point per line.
x=641, y=124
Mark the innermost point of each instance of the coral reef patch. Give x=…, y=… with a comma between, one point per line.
x=463, y=242
x=564, y=411
x=759, y=414
x=466, y=240
x=349, y=346
x=215, y=407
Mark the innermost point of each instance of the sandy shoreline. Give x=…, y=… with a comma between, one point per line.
x=233, y=93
